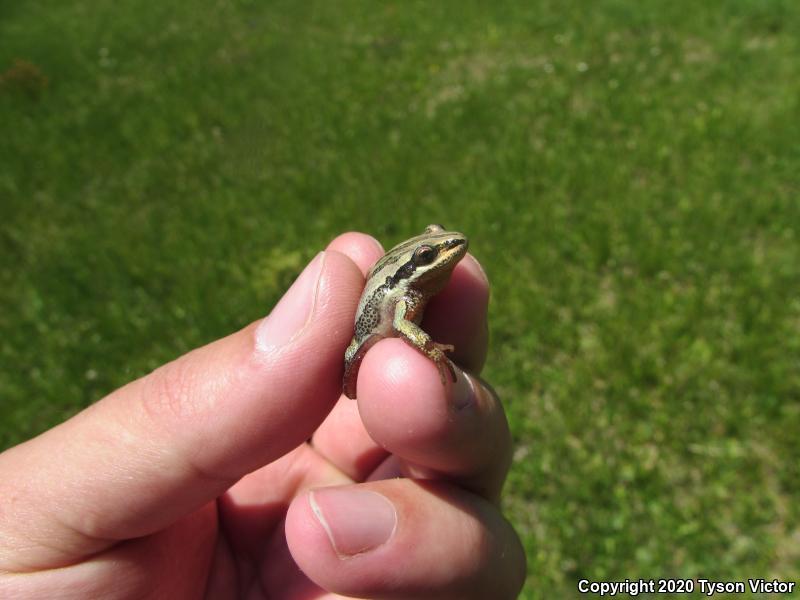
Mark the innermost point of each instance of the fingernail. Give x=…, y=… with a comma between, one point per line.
x=356, y=521
x=463, y=392
x=293, y=311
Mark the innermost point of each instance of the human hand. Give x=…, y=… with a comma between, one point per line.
x=195, y=481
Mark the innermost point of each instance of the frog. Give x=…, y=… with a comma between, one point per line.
x=398, y=288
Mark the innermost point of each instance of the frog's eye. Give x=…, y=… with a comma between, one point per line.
x=424, y=255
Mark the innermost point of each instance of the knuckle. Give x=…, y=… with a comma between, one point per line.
x=169, y=392
x=179, y=402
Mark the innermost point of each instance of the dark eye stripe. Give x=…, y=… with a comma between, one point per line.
x=395, y=254
x=402, y=273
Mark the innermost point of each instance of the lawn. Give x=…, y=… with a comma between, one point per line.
x=628, y=173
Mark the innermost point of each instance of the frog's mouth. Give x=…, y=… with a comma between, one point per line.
x=454, y=250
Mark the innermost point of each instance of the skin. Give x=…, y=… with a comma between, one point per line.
x=196, y=480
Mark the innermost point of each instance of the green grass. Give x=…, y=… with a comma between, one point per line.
x=628, y=173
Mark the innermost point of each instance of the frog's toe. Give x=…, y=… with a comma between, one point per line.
x=444, y=347
x=445, y=366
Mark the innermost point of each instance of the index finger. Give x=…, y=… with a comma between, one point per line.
x=457, y=432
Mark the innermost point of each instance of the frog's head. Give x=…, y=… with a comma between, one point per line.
x=426, y=261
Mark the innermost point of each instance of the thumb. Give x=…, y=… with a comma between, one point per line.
x=166, y=444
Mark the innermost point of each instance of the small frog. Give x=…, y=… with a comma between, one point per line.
x=398, y=287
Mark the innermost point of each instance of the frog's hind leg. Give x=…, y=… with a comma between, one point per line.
x=353, y=357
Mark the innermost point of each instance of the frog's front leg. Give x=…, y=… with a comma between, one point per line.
x=405, y=313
